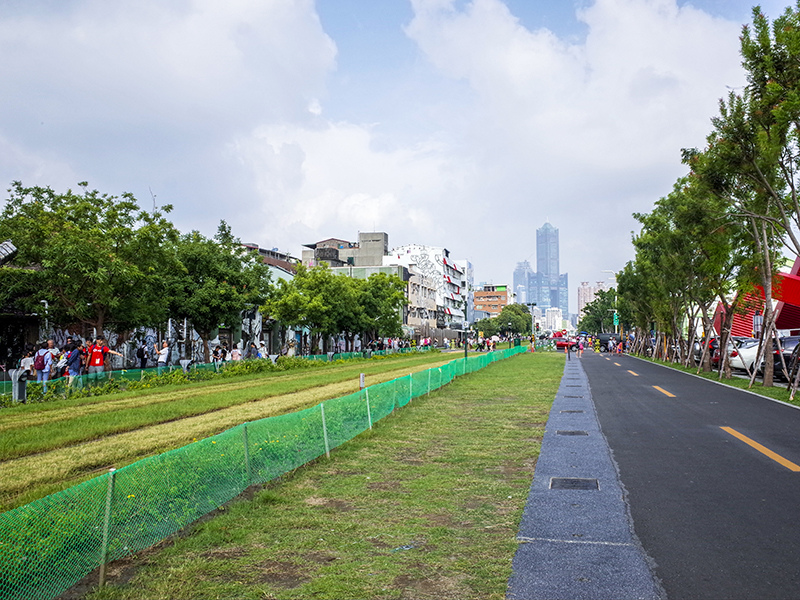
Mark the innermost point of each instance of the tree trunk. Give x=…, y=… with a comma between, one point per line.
x=204, y=335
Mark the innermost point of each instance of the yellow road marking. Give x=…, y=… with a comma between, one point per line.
x=663, y=391
x=632, y=373
x=619, y=365
x=776, y=457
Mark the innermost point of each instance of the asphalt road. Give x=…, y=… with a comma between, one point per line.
x=719, y=517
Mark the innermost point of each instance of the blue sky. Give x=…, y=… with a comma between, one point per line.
x=442, y=122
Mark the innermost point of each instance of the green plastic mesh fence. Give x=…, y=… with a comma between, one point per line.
x=50, y=544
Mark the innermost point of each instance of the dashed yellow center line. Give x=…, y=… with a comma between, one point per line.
x=632, y=373
x=663, y=391
x=766, y=451
x=616, y=363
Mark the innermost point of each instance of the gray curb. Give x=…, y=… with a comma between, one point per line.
x=578, y=544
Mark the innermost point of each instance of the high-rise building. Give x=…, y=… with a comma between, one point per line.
x=523, y=275
x=553, y=319
x=587, y=293
x=545, y=286
x=547, y=253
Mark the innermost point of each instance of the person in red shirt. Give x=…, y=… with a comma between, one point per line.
x=96, y=357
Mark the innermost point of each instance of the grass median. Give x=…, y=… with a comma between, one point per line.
x=425, y=506
x=65, y=448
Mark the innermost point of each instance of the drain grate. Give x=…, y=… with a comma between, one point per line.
x=571, y=411
x=571, y=432
x=573, y=386
x=573, y=483
x=572, y=396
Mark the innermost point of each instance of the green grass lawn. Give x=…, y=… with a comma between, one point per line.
x=29, y=429
x=48, y=447
x=426, y=505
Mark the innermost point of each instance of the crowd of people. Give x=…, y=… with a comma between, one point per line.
x=76, y=358
x=87, y=357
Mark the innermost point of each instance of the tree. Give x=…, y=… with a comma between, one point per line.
x=215, y=282
x=328, y=304
x=489, y=326
x=94, y=259
x=383, y=298
x=598, y=315
x=518, y=315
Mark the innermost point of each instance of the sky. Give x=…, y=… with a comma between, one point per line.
x=463, y=124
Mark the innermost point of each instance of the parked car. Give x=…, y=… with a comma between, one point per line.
x=742, y=353
x=791, y=365
x=788, y=344
x=564, y=342
x=697, y=350
x=605, y=338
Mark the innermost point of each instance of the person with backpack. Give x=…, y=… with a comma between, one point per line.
x=142, y=355
x=43, y=362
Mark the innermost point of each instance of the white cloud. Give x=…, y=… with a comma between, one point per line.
x=581, y=133
x=219, y=108
x=330, y=181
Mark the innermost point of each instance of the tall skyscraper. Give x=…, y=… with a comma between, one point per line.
x=523, y=277
x=547, y=287
x=547, y=253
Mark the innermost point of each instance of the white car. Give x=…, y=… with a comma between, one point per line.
x=743, y=354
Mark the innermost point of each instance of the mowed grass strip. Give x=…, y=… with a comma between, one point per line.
x=27, y=414
x=25, y=479
x=427, y=505
x=71, y=425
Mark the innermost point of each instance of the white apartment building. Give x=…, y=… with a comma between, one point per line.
x=435, y=264
x=553, y=319
x=587, y=293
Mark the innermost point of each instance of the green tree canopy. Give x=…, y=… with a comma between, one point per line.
x=328, y=304
x=215, y=282
x=95, y=259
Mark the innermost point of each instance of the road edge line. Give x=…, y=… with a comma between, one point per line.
x=730, y=387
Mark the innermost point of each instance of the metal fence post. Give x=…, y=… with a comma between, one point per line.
x=324, y=430
x=106, y=526
x=246, y=454
x=369, y=410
